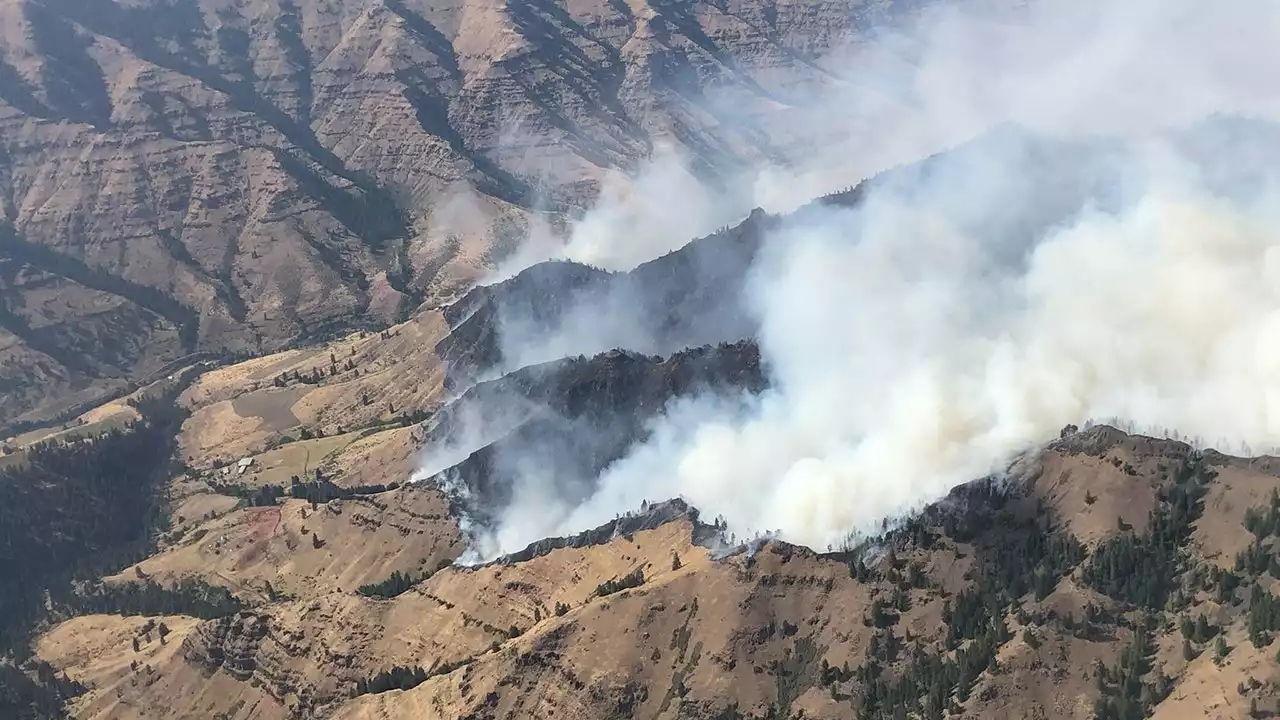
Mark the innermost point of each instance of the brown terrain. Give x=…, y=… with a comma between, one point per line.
x=1102, y=568
x=201, y=177
x=711, y=632
x=254, y=228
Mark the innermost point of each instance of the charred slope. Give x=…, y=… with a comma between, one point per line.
x=687, y=298
x=695, y=295
x=569, y=419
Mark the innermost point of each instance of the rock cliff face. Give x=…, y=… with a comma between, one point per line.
x=229, y=643
x=186, y=176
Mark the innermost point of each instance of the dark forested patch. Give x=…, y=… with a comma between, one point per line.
x=75, y=511
x=1019, y=552
x=189, y=597
x=1143, y=569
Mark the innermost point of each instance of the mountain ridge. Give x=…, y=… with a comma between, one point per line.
x=277, y=167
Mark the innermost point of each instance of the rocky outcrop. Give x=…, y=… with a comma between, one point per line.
x=229, y=644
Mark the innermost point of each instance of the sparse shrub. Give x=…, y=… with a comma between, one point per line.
x=1030, y=639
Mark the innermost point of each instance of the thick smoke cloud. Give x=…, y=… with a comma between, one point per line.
x=953, y=321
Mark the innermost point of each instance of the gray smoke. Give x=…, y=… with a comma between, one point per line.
x=958, y=319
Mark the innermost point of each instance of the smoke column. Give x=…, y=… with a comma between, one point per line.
x=929, y=336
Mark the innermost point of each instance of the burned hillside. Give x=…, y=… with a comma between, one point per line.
x=571, y=418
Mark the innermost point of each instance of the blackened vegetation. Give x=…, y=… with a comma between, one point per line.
x=648, y=518
x=1018, y=552
x=540, y=295
x=571, y=418
x=1142, y=570
x=80, y=510
x=687, y=298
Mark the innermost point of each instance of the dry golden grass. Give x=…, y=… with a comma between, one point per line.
x=97, y=650
x=238, y=411
x=707, y=632
x=1220, y=533
x=1207, y=690
x=364, y=540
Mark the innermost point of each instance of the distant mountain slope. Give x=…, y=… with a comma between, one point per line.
x=281, y=169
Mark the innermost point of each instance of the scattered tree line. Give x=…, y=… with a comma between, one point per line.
x=262, y=496
x=189, y=597
x=395, y=585
x=632, y=579
x=1264, y=521
x=398, y=583
x=1142, y=570
x=1264, y=616
x=397, y=678
x=321, y=490
x=1123, y=694
x=1261, y=556
x=1017, y=553
x=403, y=678
x=23, y=697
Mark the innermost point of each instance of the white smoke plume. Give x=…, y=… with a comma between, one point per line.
x=637, y=218
x=921, y=341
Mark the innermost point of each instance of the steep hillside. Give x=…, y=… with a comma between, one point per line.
x=989, y=605
x=204, y=176
x=566, y=421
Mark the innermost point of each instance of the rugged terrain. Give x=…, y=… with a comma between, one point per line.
x=244, y=539
x=1010, y=584
x=207, y=177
